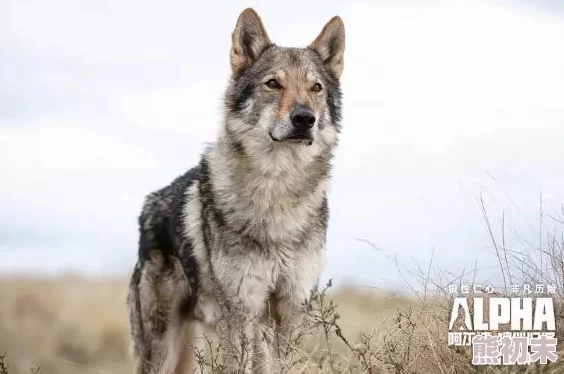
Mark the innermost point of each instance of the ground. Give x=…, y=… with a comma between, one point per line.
x=74, y=325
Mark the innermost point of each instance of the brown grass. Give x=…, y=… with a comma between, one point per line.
x=72, y=324
x=64, y=325
x=77, y=325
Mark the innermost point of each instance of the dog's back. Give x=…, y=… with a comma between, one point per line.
x=160, y=223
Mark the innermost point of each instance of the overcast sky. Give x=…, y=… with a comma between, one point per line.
x=104, y=101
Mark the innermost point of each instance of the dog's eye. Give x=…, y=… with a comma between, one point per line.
x=273, y=83
x=316, y=87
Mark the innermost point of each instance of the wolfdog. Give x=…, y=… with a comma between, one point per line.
x=239, y=239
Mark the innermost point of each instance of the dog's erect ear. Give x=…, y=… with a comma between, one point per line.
x=330, y=44
x=249, y=40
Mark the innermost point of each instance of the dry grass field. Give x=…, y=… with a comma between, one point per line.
x=64, y=325
x=76, y=325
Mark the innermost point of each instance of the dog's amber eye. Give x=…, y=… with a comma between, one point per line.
x=273, y=83
x=316, y=87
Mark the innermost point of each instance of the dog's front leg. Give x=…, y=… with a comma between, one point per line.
x=245, y=280
x=236, y=336
x=264, y=337
x=293, y=290
x=238, y=328
x=289, y=317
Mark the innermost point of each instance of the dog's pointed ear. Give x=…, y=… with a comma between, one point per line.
x=330, y=44
x=249, y=40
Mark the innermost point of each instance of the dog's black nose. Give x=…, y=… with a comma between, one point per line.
x=302, y=118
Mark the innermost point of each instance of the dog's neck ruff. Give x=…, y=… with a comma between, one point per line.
x=275, y=197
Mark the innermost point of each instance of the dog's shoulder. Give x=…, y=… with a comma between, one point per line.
x=160, y=221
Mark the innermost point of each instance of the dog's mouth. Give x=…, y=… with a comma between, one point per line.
x=298, y=137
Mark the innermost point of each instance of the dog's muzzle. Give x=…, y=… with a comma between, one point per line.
x=302, y=120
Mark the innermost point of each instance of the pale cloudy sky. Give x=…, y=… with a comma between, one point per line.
x=104, y=101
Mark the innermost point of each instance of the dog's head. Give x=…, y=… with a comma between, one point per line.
x=284, y=97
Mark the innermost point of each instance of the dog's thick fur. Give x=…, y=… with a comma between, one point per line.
x=241, y=236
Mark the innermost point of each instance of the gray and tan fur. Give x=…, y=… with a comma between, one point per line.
x=241, y=236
